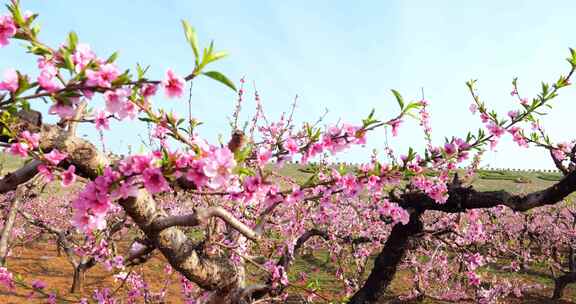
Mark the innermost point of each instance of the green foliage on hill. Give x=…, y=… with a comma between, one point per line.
x=552, y=177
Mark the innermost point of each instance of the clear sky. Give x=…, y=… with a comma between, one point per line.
x=340, y=55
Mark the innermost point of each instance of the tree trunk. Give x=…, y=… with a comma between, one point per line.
x=212, y=273
x=387, y=261
x=80, y=272
x=7, y=229
x=561, y=282
x=78, y=280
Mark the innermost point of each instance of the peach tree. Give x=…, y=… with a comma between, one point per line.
x=250, y=214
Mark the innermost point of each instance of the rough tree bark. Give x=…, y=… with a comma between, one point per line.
x=387, y=262
x=11, y=180
x=78, y=280
x=561, y=282
x=211, y=273
x=80, y=274
x=7, y=229
x=21, y=193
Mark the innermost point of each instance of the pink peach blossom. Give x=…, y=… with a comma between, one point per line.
x=19, y=149
x=7, y=29
x=103, y=77
x=154, y=181
x=10, y=82
x=115, y=99
x=101, y=121
x=46, y=173
x=82, y=56
x=173, y=84
x=68, y=176
x=55, y=157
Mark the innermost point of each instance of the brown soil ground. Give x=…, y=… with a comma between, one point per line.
x=41, y=262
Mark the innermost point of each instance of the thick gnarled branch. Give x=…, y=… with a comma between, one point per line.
x=464, y=198
x=82, y=153
x=210, y=273
x=11, y=180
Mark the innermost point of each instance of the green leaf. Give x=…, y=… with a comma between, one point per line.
x=23, y=84
x=545, y=88
x=72, y=41
x=572, y=58
x=141, y=71
x=312, y=179
x=31, y=19
x=122, y=79
x=146, y=119
x=245, y=171
x=217, y=56
x=38, y=49
x=211, y=47
x=342, y=169
x=35, y=30
x=112, y=57
x=220, y=78
x=191, y=37
x=25, y=105
x=69, y=94
x=398, y=98
x=68, y=63
x=241, y=155
x=369, y=120
x=413, y=105
x=16, y=14
x=411, y=115
x=316, y=136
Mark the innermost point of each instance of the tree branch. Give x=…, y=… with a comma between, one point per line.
x=464, y=198
x=82, y=153
x=209, y=272
x=287, y=258
x=72, y=124
x=201, y=216
x=11, y=180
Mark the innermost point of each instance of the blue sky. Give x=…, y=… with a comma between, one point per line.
x=340, y=55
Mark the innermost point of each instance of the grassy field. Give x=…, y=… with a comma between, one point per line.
x=9, y=163
x=40, y=260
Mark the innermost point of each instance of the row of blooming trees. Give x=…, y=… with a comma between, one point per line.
x=412, y=210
